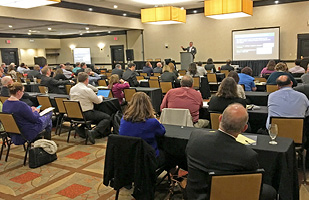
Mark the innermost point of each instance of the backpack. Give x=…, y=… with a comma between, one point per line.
x=116, y=122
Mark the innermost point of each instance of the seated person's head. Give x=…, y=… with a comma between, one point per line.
x=36, y=67
x=284, y=81
x=228, y=88
x=172, y=66
x=82, y=77
x=5, y=81
x=210, y=61
x=199, y=63
x=192, y=68
x=234, y=119
x=166, y=68
x=59, y=71
x=228, y=61
x=114, y=79
x=45, y=71
x=131, y=66
x=139, y=108
x=88, y=70
x=297, y=62
x=118, y=66
x=234, y=75
x=186, y=81
x=247, y=70
x=16, y=89
x=281, y=67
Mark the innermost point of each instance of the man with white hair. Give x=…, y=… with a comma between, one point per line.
x=7, y=80
x=220, y=152
x=158, y=69
x=93, y=77
x=117, y=70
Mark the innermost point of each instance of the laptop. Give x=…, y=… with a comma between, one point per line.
x=104, y=93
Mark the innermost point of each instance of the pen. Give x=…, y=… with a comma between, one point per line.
x=248, y=142
x=39, y=107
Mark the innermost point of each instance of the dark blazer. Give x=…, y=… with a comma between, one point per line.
x=34, y=74
x=303, y=89
x=157, y=70
x=208, y=151
x=273, y=77
x=130, y=76
x=193, y=50
x=117, y=71
x=80, y=70
x=227, y=67
x=148, y=70
x=169, y=77
x=31, y=101
x=53, y=84
x=218, y=104
x=60, y=76
x=210, y=67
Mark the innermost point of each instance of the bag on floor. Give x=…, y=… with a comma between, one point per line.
x=39, y=157
x=116, y=122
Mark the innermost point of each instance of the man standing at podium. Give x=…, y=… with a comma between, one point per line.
x=190, y=49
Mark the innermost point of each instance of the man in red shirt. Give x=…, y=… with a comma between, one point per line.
x=187, y=98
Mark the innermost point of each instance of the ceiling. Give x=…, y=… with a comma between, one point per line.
x=131, y=8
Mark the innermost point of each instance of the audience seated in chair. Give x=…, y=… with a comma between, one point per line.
x=297, y=69
x=93, y=77
x=117, y=86
x=188, y=98
x=35, y=73
x=240, y=89
x=281, y=69
x=86, y=96
x=148, y=69
x=246, y=79
x=169, y=76
x=27, y=118
x=139, y=121
x=219, y=151
x=117, y=70
x=130, y=75
x=158, y=69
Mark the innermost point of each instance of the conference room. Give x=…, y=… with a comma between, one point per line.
x=105, y=33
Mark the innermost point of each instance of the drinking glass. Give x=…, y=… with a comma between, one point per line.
x=46, y=90
x=273, y=132
x=34, y=80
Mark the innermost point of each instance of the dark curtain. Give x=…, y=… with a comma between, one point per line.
x=255, y=65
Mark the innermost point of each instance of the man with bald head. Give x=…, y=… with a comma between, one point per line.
x=220, y=152
x=286, y=102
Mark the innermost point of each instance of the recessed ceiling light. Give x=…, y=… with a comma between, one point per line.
x=80, y=34
x=276, y=2
x=194, y=11
x=49, y=29
x=124, y=14
x=90, y=9
x=182, y=8
x=88, y=31
x=87, y=28
x=115, y=6
x=10, y=26
x=29, y=30
x=29, y=33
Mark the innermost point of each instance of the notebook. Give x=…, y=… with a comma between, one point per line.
x=104, y=93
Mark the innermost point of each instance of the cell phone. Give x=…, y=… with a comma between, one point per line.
x=39, y=107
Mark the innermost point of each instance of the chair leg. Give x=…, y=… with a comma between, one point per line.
x=8, y=151
x=26, y=154
x=57, y=124
x=304, y=165
x=2, y=146
x=117, y=195
x=71, y=127
x=60, y=126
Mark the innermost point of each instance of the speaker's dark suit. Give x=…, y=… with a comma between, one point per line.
x=193, y=50
x=214, y=151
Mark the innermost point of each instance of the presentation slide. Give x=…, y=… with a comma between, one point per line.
x=82, y=55
x=256, y=44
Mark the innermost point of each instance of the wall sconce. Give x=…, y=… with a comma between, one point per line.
x=72, y=47
x=101, y=46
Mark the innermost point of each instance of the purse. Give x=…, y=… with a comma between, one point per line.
x=39, y=157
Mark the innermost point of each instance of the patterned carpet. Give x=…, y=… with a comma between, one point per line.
x=76, y=174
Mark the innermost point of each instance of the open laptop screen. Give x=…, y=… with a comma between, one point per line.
x=103, y=93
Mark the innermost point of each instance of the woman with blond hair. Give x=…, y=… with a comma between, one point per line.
x=281, y=69
x=11, y=71
x=139, y=121
x=117, y=86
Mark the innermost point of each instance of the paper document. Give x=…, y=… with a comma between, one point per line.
x=246, y=140
x=205, y=104
x=47, y=110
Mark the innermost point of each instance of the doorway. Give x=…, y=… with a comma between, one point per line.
x=302, y=45
x=9, y=55
x=117, y=55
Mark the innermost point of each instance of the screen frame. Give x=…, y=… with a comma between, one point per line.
x=249, y=29
x=83, y=60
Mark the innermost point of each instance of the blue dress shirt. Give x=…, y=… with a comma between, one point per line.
x=247, y=81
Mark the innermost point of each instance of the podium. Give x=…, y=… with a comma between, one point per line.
x=186, y=58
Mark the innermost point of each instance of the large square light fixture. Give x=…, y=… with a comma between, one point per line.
x=226, y=9
x=163, y=15
x=27, y=3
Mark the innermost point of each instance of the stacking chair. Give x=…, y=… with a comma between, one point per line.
x=131, y=159
x=208, y=71
x=154, y=83
x=75, y=114
x=128, y=93
x=225, y=72
x=158, y=59
x=3, y=99
x=271, y=88
x=183, y=118
x=214, y=120
x=44, y=101
x=42, y=89
x=182, y=72
x=38, y=80
x=149, y=59
x=260, y=79
x=61, y=111
x=108, y=74
x=196, y=82
x=156, y=74
x=292, y=127
x=68, y=88
x=11, y=127
x=235, y=186
x=140, y=78
x=212, y=80
x=143, y=74
x=154, y=77
x=102, y=82
x=166, y=86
